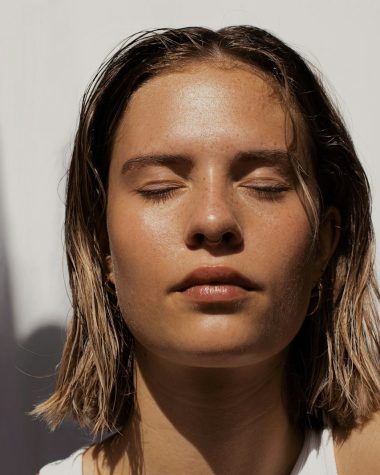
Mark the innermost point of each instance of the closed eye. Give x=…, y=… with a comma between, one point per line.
x=267, y=192
x=158, y=195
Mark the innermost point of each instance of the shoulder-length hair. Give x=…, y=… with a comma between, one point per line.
x=332, y=375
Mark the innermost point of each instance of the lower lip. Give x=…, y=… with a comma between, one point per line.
x=215, y=293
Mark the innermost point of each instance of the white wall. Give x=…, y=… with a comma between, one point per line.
x=51, y=48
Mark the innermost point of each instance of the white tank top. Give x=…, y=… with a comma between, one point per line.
x=316, y=458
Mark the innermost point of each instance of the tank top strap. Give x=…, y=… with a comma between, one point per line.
x=317, y=455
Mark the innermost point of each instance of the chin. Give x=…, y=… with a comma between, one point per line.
x=216, y=350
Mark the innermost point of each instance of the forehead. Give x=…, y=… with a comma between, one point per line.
x=207, y=78
x=210, y=105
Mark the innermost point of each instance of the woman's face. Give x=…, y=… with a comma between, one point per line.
x=210, y=244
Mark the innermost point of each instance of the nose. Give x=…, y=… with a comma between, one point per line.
x=213, y=223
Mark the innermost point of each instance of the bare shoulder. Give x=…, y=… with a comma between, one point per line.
x=89, y=462
x=104, y=458
x=94, y=461
x=360, y=452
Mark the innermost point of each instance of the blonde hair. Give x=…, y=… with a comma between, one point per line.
x=332, y=373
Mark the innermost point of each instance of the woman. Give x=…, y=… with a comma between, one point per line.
x=220, y=253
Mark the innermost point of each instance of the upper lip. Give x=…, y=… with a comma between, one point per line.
x=215, y=275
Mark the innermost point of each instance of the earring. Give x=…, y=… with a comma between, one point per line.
x=109, y=286
x=315, y=294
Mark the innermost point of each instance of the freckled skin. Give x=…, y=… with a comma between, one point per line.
x=209, y=113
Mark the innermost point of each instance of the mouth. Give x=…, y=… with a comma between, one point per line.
x=215, y=284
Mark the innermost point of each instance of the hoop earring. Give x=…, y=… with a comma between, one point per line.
x=109, y=286
x=314, y=294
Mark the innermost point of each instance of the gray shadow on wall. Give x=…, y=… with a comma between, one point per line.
x=11, y=435
x=36, y=361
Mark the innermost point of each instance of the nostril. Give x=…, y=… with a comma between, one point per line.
x=228, y=238
x=199, y=238
x=216, y=235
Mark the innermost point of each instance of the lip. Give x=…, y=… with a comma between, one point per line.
x=213, y=275
x=215, y=284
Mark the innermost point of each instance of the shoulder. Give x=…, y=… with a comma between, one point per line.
x=71, y=465
x=359, y=452
x=103, y=457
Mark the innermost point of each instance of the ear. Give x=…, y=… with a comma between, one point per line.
x=109, y=267
x=328, y=238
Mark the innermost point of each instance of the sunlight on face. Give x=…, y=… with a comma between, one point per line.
x=200, y=185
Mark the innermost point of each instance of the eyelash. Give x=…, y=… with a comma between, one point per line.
x=158, y=195
x=272, y=193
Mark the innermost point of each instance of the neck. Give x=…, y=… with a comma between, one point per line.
x=209, y=420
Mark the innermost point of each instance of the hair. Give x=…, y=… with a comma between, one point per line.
x=332, y=372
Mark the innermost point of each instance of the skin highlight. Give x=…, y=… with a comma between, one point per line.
x=226, y=359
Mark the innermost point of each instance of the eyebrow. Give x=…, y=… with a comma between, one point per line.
x=268, y=156
x=163, y=160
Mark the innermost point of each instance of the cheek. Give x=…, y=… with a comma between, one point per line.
x=286, y=258
x=282, y=237
x=286, y=251
x=143, y=243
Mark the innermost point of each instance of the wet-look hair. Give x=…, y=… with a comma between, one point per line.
x=332, y=373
